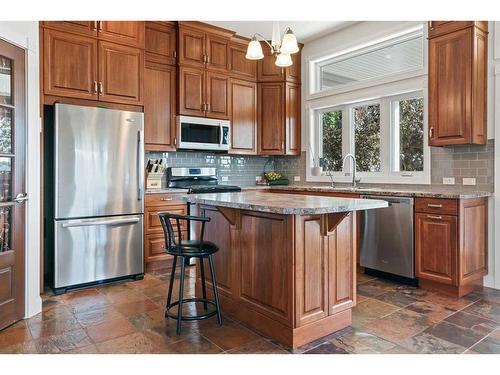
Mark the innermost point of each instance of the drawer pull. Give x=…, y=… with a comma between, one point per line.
x=434, y=205
x=166, y=199
x=434, y=217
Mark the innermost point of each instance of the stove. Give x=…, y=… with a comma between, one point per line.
x=197, y=180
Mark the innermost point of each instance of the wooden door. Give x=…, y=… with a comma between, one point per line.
x=121, y=70
x=450, y=94
x=161, y=43
x=243, y=105
x=69, y=65
x=12, y=196
x=436, y=248
x=239, y=65
x=191, y=47
x=191, y=91
x=217, y=49
x=87, y=28
x=271, y=118
x=217, y=95
x=159, y=107
x=267, y=69
x=129, y=33
x=292, y=73
x=292, y=122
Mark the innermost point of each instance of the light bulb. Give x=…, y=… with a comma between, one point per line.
x=289, y=44
x=283, y=60
x=254, y=50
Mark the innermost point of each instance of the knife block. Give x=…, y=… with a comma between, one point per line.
x=153, y=180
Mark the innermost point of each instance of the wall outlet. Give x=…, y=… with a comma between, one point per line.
x=225, y=178
x=448, y=180
x=469, y=181
x=296, y=178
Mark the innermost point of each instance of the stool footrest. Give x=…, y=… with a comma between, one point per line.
x=192, y=317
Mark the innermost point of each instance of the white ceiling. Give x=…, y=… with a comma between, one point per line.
x=303, y=30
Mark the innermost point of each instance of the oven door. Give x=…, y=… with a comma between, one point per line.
x=198, y=133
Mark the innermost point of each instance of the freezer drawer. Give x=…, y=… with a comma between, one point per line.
x=89, y=250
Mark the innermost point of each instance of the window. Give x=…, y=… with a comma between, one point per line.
x=386, y=136
x=394, y=56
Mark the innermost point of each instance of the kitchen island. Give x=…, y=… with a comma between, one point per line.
x=287, y=263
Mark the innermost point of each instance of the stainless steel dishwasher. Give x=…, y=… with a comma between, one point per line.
x=387, y=237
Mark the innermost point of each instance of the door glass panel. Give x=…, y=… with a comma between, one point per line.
x=5, y=130
x=5, y=179
x=5, y=80
x=5, y=226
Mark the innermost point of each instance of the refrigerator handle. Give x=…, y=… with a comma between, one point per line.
x=88, y=223
x=140, y=164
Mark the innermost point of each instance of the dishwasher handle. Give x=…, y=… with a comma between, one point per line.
x=390, y=200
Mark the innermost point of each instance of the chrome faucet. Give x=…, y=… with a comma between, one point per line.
x=354, y=165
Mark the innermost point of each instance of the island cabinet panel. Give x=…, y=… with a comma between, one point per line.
x=243, y=95
x=69, y=65
x=159, y=107
x=218, y=231
x=121, y=70
x=311, y=265
x=342, y=265
x=266, y=258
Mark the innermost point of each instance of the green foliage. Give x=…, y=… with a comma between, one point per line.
x=367, y=137
x=332, y=141
x=411, y=135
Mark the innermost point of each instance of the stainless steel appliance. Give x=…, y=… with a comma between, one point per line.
x=200, y=133
x=197, y=181
x=387, y=237
x=98, y=171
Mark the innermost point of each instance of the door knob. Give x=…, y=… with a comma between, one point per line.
x=21, y=197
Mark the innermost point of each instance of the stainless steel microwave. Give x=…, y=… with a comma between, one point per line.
x=200, y=133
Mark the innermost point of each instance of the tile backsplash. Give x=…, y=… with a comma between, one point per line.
x=455, y=161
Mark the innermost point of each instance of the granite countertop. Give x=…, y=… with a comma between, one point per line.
x=286, y=204
x=432, y=191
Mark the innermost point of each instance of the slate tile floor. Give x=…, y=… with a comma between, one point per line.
x=128, y=317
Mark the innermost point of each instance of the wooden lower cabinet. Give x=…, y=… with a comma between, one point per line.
x=154, y=242
x=291, y=277
x=451, y=250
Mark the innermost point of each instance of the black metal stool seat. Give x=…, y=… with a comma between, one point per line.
x=200, y=249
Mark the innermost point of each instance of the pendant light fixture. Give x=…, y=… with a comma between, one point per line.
x=281, y=48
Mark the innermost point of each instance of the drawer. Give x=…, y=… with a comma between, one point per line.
x=152, y=222
x=154, y=247
x=436, y=205
x=151, y=200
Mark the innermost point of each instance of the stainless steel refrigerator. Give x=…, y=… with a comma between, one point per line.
x=98, y=171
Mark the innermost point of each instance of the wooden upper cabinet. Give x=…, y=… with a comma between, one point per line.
x=130, y=33
x=292, y=73
x=243, y=95
x=271, y=107
x=436, y=248
x=159, y=107
x=191, y=47
x=267, y=69
x=436, y=28
x=69, y=65
x=217, y=50
x=239, y=66
x=161, y=42
x=191, y=91
x=457, y=87
x=217, y=95
x=121, y=70
x=87, y=28
x=292, y=113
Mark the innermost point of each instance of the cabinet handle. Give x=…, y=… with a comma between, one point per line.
x=101, y=88
x=434, y=217
x=175, y=141
x=95, y=87
x=431, y=132
x=166, y=199
x=435, y=205
x=282, y=145
x=431, y=25
x=174, y=54
x=208, y=107
x=99, y=25
x=95, y=25
x=208, y=59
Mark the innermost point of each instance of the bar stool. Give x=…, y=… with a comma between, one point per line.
x=200, y=249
